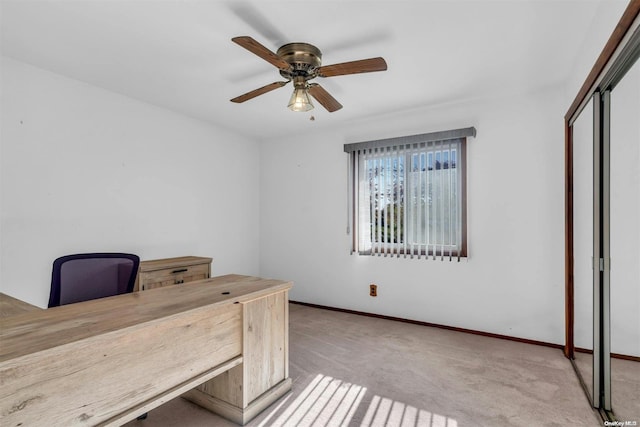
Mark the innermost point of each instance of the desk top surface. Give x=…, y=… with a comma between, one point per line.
x=37, y=330
x=10, y=306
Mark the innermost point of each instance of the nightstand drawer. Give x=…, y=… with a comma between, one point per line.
x=172, y=271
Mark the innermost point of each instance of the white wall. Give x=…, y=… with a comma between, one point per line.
x=513, y=282
x=84, y=170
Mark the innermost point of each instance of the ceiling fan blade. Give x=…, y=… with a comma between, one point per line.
x=256, y=48
x=372, y=37
x=353, y=67
x=264, y=89
x=324, y=98
x=258, y=22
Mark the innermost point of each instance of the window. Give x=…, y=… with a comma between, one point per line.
x=408, y=195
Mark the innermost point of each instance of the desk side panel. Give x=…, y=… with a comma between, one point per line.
x=265, y=344
x=265, y=354
x=94, y=379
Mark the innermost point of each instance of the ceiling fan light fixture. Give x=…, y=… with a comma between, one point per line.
x=300, y=100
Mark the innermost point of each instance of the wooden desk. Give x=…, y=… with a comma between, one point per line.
x=10, y=306
x=106, y=361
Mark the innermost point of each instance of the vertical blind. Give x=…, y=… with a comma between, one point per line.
x=407, y=196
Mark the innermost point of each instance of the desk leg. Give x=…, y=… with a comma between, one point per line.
x=245, y=390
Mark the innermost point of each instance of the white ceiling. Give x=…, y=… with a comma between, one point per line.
x=179, y=54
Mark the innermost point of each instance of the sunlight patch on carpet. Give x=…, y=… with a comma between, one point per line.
x=328, y=401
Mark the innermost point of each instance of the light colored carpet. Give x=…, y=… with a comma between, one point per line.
x=351, y=370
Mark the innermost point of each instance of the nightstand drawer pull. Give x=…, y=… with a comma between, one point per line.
x=182, y=270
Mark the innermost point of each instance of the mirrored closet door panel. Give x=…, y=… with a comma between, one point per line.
x=583, y=134
x=624, y=243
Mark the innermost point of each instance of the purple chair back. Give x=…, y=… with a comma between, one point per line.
x=83, y=277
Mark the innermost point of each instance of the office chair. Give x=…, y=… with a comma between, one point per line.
x=83, y=277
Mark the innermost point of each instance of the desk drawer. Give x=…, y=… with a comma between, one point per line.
x=173, y=276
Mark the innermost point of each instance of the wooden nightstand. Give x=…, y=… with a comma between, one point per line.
x=172, y=271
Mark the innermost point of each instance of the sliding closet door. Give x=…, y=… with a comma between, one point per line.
x=625, y=244
x=613, y=90
x=583, y=148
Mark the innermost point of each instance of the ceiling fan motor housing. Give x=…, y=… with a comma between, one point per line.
x=304, y=59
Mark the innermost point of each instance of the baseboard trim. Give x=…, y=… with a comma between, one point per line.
x=613, y=355
x=457, y=329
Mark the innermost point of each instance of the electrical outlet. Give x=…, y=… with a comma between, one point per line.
x=373, y=290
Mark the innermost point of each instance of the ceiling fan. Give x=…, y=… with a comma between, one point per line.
x=300, y=63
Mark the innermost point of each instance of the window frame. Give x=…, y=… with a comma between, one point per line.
x=390, y=148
